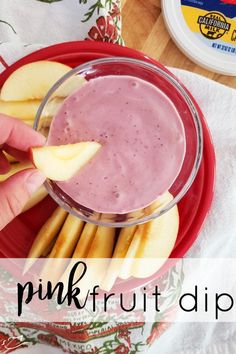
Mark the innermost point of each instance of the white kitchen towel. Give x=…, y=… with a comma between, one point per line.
x=218, y=236
x=218, y=103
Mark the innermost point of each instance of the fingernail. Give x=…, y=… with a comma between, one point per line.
x=34, y=181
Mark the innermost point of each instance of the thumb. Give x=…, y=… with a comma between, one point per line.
x=15, y=192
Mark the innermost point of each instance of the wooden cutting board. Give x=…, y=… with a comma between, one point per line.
x=144, y=30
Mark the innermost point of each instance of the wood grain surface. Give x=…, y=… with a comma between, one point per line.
x=144, y=30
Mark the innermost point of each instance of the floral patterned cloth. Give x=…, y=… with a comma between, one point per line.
x=96, y=337
x=52, y=21
x=27, y=26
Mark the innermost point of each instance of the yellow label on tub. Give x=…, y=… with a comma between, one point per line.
x=212, y=27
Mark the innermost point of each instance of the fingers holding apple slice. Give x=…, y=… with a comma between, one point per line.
x=60, y=163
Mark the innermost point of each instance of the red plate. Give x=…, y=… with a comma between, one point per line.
x=18, y=236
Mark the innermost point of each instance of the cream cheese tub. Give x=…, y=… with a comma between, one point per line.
x=205, y=31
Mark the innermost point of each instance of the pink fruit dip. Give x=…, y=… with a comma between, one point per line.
x=142, y=137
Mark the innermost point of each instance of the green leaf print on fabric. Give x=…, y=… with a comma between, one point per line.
x=96, y=7
x=108, y=21
x=8, y=24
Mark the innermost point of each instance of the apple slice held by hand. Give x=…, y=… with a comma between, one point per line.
x=60, y=163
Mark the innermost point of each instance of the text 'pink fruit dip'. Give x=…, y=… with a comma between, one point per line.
x=142, y=137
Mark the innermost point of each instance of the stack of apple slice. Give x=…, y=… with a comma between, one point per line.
x=23, y=91
x=139, y=251
x=21, y=96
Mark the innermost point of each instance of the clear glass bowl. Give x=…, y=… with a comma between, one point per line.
x=184, y=105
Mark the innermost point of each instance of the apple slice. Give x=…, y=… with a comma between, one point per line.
x=124, y=240
x=163, y=200
x=63, y=248
x=22, y=110
x=98, y=258
x=125, y=271
x=152, y=243
x=157, y=240
x=60, y=163
x=26, y=110
x=32, y=81
x=69, y=86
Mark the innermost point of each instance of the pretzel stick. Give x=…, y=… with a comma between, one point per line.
x=67, y=238
x=82, y=248
x=101, y=248
x=45, y=236
x=48, y=249
x=63, y=248
x=85, y=241
x=103, y=243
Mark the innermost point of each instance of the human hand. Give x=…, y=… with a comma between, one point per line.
x=16, y=138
